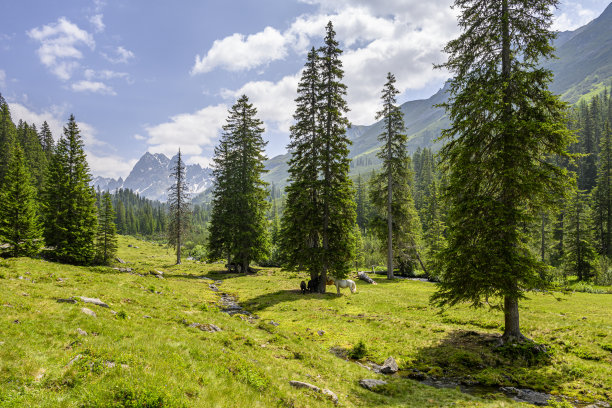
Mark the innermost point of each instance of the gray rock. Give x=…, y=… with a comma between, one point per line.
x=325, y=391
x=301, y=384
x=371, y=384
x=74, y=359
x=156, y=272
x=93, y=301
x=146, y=317
x=330, y=394
x=527, y=395
x=70, y=300
x=110, y=364
x=207, y=327
x=120, y=260
x=389, y=366
x=213, y=287
x=89, y=312
x=320, y=332
x=273, y=323
x=81, y=332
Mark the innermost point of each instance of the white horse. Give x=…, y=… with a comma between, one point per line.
x=345, y=283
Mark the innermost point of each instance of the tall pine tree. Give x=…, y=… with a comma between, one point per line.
x=19, y=226
x=242, y=231
x=390, y=191
x=302, y=219
x=504, y=125
x=319, y=219
x=179, y=208
x=106, y=238
x=46, y=140
x=579, y=254
x=8, y=137
x=69, y=210
x=602, y=195
x=337, y=188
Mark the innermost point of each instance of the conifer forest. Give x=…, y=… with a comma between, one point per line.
x=471, y=251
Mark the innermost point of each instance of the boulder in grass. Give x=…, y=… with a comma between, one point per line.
x=207, y=327
x=371, y=384
x=89, y=312
x=93, y=301
x=389, y=366
x=330, y=394
x=325, y=391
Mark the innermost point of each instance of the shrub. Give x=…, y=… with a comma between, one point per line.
x=358, y=351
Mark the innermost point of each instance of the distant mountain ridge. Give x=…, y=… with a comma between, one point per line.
x=152, y=176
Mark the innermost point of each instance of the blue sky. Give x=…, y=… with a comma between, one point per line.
x=153, y=75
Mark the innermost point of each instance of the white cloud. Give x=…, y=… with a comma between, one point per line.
x=105, y=74
x=96, y=21
x=2, y=78
x=94, y=87
x=274, y=100
x=201, y=160
x=238, y=52
x=189, y=131
x=403, y=37
x=573, y=16
x=59, y=46
x=139, y=137
x=120, y=55
x=109, y=166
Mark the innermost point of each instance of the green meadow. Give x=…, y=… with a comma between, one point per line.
x=142, y=352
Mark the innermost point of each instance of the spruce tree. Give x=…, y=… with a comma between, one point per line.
x=336, y=194
x=46, y=140
x=318, y=221
x=242, y=231
x=8, y=137
x=302, y=219
x=69, y=210
x=390, y=191
x=504, y=125
x=106, y=239
x=579, y=257
x=361, y=204
x=602, y=195
x=19, y=226
x=35, y=157
x=179, y=209
x=220, y=237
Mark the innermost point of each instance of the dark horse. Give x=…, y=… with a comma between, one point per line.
x=303, y=287
x=313, y=285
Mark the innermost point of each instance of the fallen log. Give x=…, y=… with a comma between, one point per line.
x=364, y=277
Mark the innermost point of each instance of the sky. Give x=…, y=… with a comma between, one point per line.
x=154, y=75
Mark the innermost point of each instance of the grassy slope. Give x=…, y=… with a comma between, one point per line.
x=250, y=363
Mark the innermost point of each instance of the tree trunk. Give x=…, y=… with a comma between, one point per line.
x=512, y=331
x=389, y=215
x=323, y=281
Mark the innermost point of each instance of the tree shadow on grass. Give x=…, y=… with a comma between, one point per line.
x=472, y=358
x=267, y=300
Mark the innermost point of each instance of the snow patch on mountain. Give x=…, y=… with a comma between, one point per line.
x=152, y=176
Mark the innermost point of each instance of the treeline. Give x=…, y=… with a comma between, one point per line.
x=573, y=240
x=46, y=200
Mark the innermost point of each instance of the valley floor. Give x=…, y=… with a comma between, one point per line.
x=152, y=346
